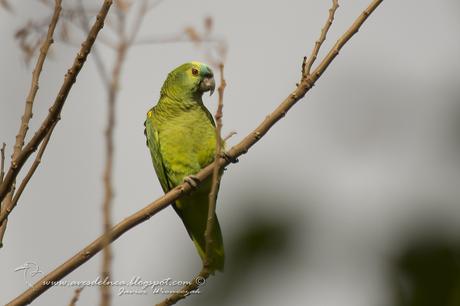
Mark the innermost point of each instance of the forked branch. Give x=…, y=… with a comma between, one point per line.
x=308, y=62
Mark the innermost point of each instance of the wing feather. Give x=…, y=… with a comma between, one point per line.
x=153, y=143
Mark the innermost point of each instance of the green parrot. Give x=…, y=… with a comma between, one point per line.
x=181, y=137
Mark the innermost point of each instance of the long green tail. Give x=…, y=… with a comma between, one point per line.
x=193, y=210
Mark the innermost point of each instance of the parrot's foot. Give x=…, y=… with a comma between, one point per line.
x=229, y=158
x=192, y=180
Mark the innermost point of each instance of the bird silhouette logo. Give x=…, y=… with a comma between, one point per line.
x=30, y=270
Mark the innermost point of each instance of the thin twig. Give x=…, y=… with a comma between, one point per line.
x=125, y=42
x=2, y=162
x=29, y=174
x=102, y=40
x=108, y=170
x=7, y=204
x=55, y=109
x=181, y=190
x=69, y=11
x=76, y=296
x=2, y=174
x=70, y=14
x=306, y=66
x=6, y=5
x=35, y=79
x=215, y=175
x=230, y=135
x=196, y=282
x=97, y=58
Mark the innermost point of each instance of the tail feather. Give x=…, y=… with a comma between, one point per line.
x=217, y=252
x=193, y=210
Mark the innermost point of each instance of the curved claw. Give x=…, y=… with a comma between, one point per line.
x=229, y=158
x=192, y=180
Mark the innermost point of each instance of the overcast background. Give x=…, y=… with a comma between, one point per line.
x=317, y=213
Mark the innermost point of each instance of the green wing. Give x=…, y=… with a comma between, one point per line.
x=208, y=114
x=153, y=143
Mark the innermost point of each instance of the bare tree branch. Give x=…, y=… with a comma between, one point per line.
x=108, y=170
x=8, y=199
x=72, y=14
x=76, y=296
x=181, y=190
x=55, y=109
x=230, y=135
x=6, y=5
x=306, y=67
x=28, y=176
x=125, y=42
x=215, y=174
x=97, y=58
x=3, y=204
x=24, y=127
x=2, y=162
x=8, y=205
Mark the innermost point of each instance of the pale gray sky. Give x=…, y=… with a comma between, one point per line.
x=365, y=160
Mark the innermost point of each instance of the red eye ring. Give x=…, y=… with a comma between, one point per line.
x=194, y=71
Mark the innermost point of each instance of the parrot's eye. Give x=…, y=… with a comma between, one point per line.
x=194, y=71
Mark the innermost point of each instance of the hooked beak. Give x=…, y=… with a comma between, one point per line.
x=208, y=84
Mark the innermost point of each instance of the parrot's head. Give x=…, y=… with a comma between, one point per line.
x=189, y=79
